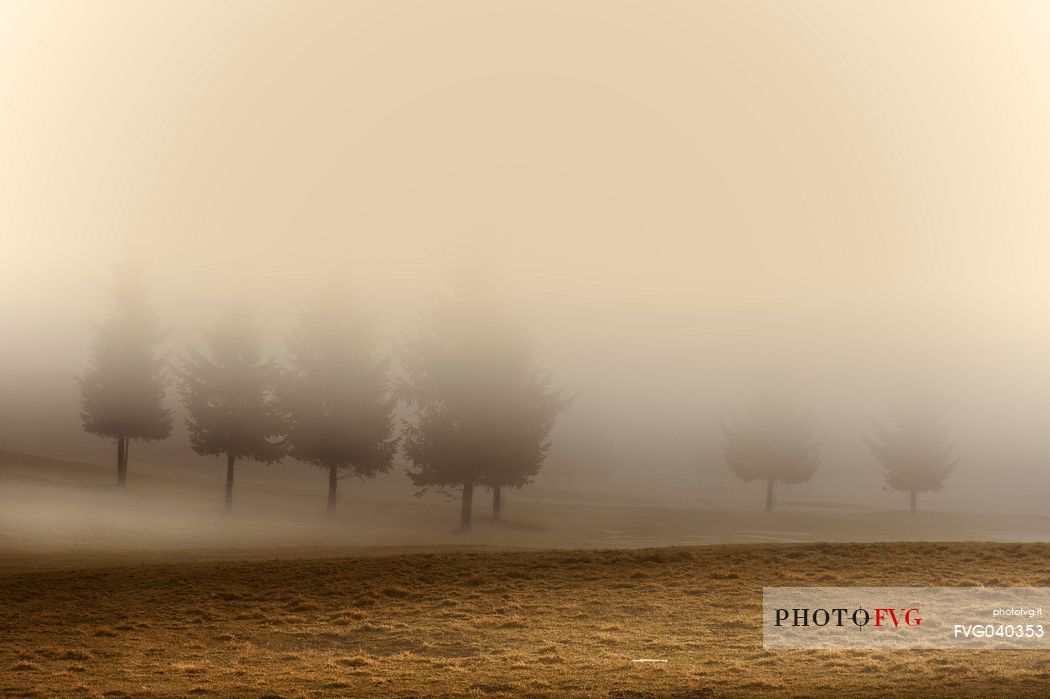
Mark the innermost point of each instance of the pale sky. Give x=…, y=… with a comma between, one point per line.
x=671, y=192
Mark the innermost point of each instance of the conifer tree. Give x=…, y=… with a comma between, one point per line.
x=483, y=407
x=122, y=389
x=228, y=391
x=337, y=393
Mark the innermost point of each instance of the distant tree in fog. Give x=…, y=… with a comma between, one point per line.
x=228, y=391
x=775, y=442
x=122, y=389
x=483, y=406
x=337, y=393
x=916, y=453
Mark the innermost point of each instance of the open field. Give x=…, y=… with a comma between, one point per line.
x=153, y=591
x=63, y=514
x=555, y=623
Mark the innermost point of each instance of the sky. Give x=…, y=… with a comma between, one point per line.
x=678, y=197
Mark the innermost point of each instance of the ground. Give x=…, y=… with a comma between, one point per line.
x=541, y=623
x=67, y=514
x=154, y=591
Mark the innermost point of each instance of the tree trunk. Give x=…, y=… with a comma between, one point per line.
x=913, y=508
x=769, y=496
x=468, y=503
x=229, y=482
x=122, y=461
x=497, y=501
x=333, y=479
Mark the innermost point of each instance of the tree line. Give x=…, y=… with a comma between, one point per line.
x=776, y=441
x=482, y=407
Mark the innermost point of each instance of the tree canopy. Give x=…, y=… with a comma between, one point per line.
x=483, y=406
x=228, y=391
x=122, y=389
x=774, y=441
x=915, y=452
x=337, y=392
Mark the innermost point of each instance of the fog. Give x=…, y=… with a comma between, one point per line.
x=680, y=202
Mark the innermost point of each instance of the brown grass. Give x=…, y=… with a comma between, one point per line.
x=471, y=624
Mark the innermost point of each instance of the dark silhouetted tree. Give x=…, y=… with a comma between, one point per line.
x=483, y=407
x=775, y=442
x=915, y=453
x=228, y=391
x=122, y=389
x=337, y=393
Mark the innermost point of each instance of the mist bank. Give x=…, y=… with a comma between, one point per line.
x=647, y=408
x=679, y=205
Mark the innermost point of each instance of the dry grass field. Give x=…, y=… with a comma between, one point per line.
x=543, y=623
x=153, y=591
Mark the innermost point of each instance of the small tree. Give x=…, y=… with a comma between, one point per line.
x=122, y=389
x=915, y=454
x=775, y=442
x=228, y=392
x=483, y=408
x=337, y=393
